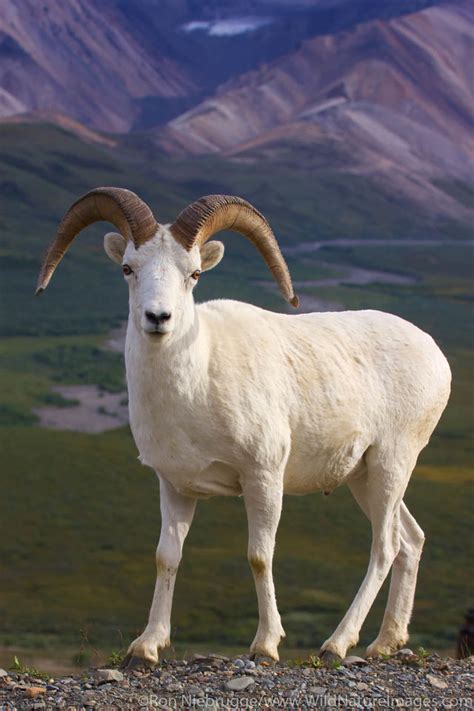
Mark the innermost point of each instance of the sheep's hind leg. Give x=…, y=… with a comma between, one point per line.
x=177, y=513
x=263, y=495
x=384, y=484
x=393, y=633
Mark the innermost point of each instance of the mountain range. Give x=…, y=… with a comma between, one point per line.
x=392, y=98
x=378, y=89
x=122, y=65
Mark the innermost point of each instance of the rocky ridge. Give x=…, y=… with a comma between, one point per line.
x=391, y=99
x=214, y=682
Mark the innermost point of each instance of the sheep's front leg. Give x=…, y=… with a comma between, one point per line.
x=263, y=500
x=177, y=513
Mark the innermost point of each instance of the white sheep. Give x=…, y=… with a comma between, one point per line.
x=229, y=399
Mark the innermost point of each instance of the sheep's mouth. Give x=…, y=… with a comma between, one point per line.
x=156, y=333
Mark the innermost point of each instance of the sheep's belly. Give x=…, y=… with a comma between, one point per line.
x=218, y=479
x=324, y=469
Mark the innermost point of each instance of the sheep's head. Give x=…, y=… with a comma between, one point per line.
x=161, y=276
x=162, y=263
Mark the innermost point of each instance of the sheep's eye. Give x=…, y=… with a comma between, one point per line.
x=195, y=275
x=127, y=270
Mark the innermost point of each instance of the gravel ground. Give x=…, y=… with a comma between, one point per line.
x=213, y=682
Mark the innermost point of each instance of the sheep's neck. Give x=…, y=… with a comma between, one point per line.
x=170, y=368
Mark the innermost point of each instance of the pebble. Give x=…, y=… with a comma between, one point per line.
x=239, y=683
x=33, y=691
x=354, y=661
x=436, y=682
x=404, y=653
x=195, y=691
x=3, y=673
x=220, y=684
x=318, y=690
x=104, y=676
x=343, y=670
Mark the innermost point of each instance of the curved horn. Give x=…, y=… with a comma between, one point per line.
x=210, y=214
x=130, y=215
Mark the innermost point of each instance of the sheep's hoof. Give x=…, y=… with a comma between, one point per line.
x=329, y=659
x=132, y=662
x=263, y=659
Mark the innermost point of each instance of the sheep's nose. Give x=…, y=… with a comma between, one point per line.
x=157, y=318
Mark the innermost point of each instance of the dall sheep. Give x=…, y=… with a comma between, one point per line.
x=229, y=399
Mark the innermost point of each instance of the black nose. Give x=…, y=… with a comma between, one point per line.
x=157, y=318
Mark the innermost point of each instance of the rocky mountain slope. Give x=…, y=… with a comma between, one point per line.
x=389, y=97
x=82, y=60
x=122, y=65
x=334, y=85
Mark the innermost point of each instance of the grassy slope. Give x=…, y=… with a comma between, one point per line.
x=81, y=517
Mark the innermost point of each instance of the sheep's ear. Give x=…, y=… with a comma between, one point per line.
x=211, y=255
x=115, y=245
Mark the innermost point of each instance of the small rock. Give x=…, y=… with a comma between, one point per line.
x=362, y=686
x=250, y=664
x=354, y=661
x=104, y=676
x=216, y=662
x=342, y=670
x=175, y=687
x=436, y=682
x=3, y=673
x=33, y=691
x=239, y=663
x=239, y=683
x=166, y=678
x=404, y=653
x=319, y=690
x=195, y=691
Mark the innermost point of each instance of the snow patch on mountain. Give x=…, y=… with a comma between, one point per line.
x=228, y=27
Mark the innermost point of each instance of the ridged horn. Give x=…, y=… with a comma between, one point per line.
x=208, y=215
x=126, y=211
